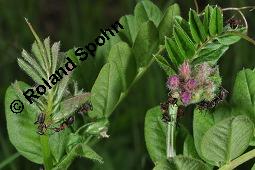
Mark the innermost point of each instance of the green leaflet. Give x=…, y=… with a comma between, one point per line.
x=184, y=43
x=131, y=29
x=155, y=134
x=208, y=12
x=106, y=91
x=181, y=163
x=202, y=122
x=166, y=25
x=122, y=55
x=197, y=28
x=68, y=106
x=243, y=96
x=146, y=43
x=58, y=143
x=227, y=139
x=174, y=53
x=21, y=126
x=164, y=65
x=216, y=22
x=147, y=11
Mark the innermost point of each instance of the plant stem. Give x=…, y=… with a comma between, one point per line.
x=171, y=126
x=238, y=161
x=47, y=158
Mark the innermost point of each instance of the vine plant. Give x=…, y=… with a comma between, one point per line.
x=188, y=52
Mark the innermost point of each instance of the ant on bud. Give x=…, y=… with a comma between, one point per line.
x=67, y=123
x=234, y=23
x=86, y=107
x=218, y=99
x=42, y=126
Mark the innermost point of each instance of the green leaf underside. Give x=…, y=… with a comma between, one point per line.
x=146, y=43
x=181, y=163
x=202, y=122
x=227, y=139
x=21, y=128
x=164, y=65
x=166, y=25
x=106, y=91
x=121, y=54
x=146, y=10
x=57, y=142
x=155, y=134
x=243, y=96
x=68, y=106
x=131, y=29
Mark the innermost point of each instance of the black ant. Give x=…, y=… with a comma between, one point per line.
x=67, y=123
x=40, y=120
x=85, y=108
x=234, y=23
x=211, y=104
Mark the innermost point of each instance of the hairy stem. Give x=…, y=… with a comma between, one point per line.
x=171, y=127
x=238, y=161
x=47, y=158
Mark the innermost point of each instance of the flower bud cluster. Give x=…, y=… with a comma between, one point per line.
x=194, y=84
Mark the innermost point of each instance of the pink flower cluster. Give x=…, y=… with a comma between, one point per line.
x=190, y=84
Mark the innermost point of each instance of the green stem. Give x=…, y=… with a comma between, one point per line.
x=47, y=158
x=171, y=127
x=238, y=161
x=44, y=139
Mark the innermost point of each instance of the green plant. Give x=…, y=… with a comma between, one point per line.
x=149, y=35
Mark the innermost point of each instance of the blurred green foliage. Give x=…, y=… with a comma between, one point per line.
x=76, y=23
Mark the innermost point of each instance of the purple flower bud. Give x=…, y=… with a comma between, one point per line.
x=185, y=71
x=185, y=97
x=190, y=85
x=173, y=82
x=204, y=71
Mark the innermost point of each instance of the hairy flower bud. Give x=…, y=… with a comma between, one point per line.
x=173, y=82
x=185, y=97
x=185, y=71
x=190, y=85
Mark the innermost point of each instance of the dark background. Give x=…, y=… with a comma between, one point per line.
x=77, y=22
